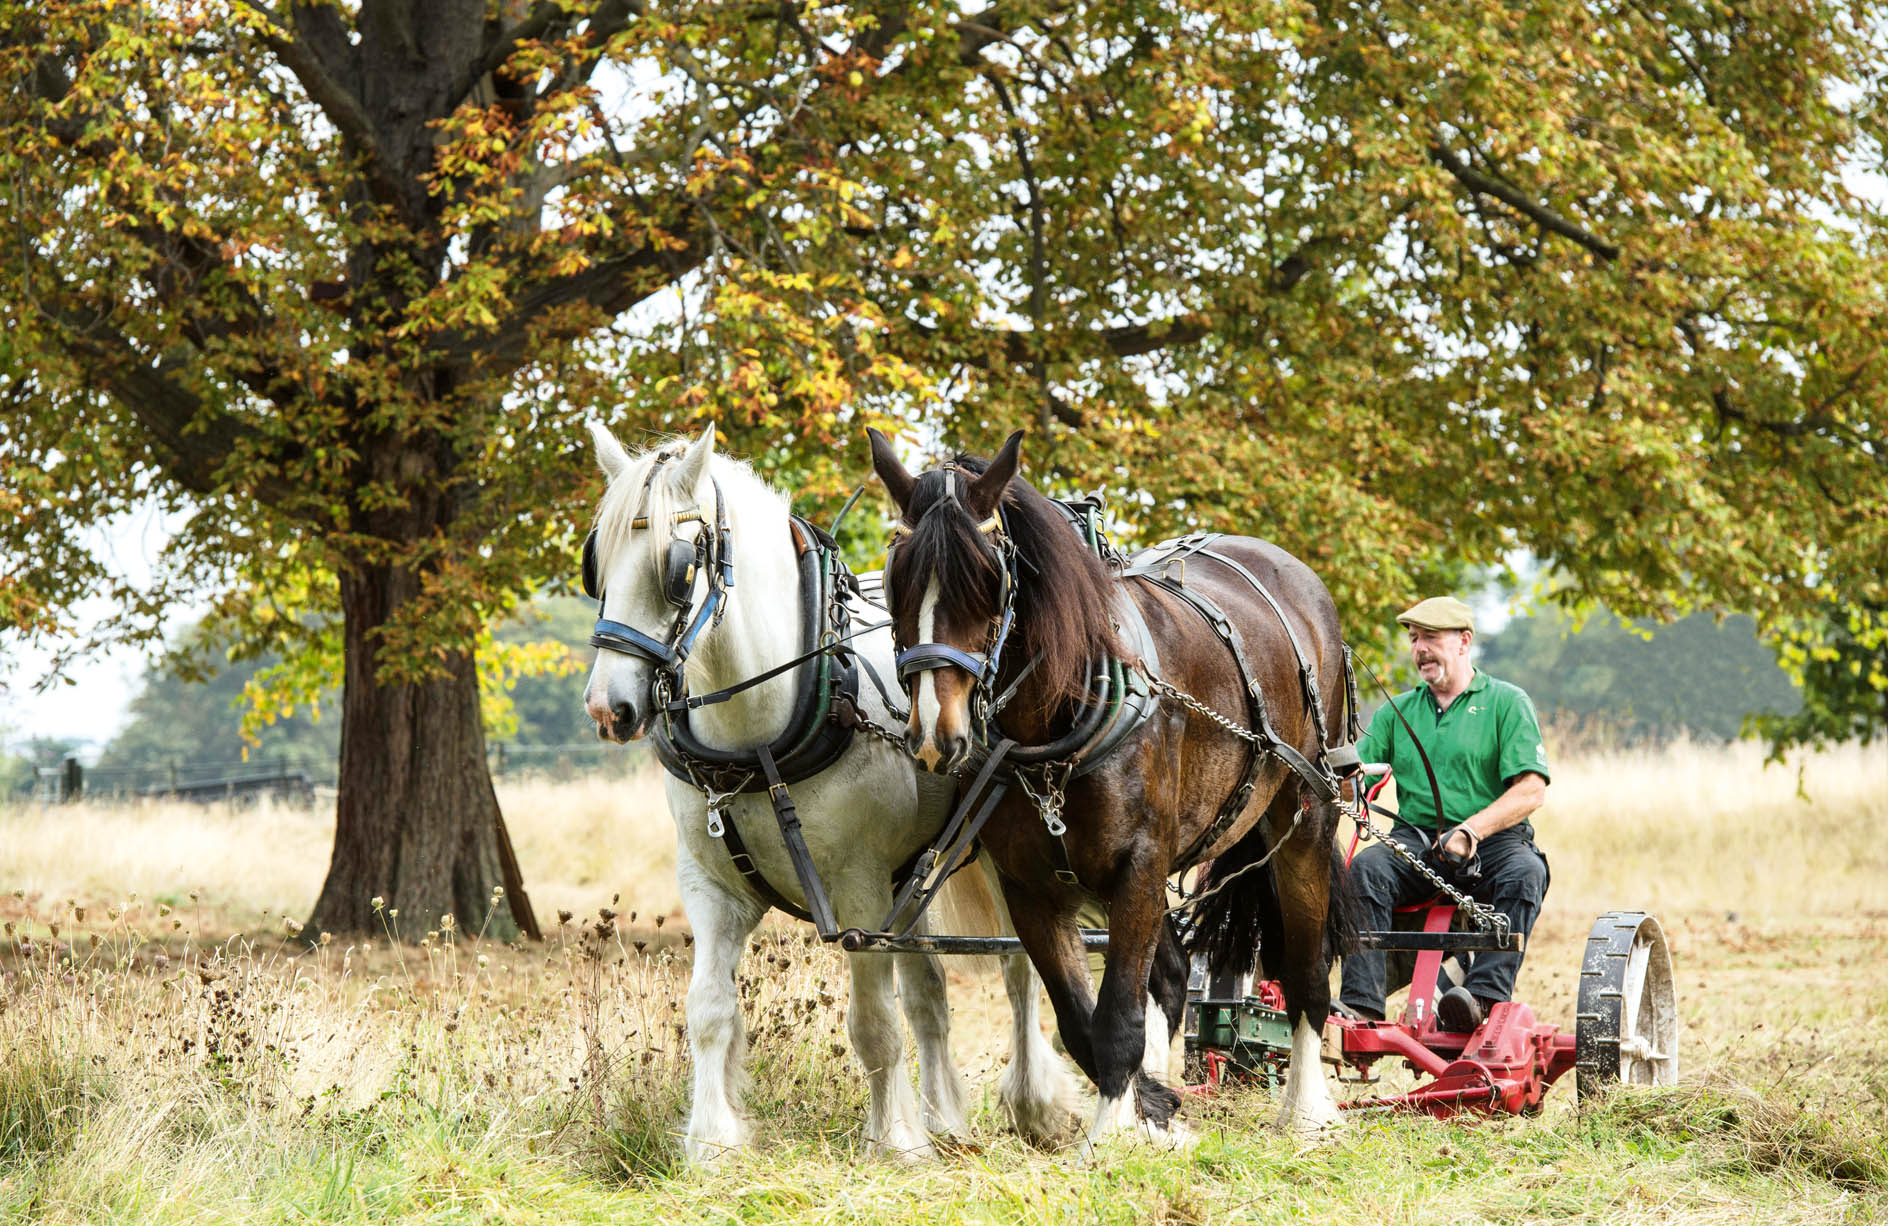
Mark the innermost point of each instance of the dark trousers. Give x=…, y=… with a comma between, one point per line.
x=1513, y=880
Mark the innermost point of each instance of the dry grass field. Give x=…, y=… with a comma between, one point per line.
x=167, y=1054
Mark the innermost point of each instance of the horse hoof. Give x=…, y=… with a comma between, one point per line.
x=1044, y=1125
x=1175, y=1137
x=952, y=1128
x=908, y=1153
x=1310, y=1125
x=707, y=1151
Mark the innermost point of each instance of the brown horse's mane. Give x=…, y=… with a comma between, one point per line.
x=1063, y=595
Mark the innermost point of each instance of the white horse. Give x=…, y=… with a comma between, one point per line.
x=864, y=816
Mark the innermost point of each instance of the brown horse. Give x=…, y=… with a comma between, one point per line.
x=995, y=598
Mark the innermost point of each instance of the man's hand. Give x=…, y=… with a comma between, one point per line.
x=1459, y=845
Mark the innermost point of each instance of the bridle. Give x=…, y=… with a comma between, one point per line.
x=981, y=665
x=711, y=550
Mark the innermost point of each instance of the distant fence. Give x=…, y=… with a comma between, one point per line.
x=563, y=762
x=202, y=780
x=297, y=780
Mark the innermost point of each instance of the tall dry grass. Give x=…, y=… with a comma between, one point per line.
x=1693, y=827
x=1686, y=827
x=578, y=843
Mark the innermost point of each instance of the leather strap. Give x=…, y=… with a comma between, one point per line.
x=927, y=656
x=953, y=844
x=1306, y=676
x=750, y=871
x=789, y=818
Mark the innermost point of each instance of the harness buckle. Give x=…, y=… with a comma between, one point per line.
x=718, y=803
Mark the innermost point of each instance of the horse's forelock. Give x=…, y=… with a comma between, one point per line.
x=946, y=547
x=1064, y=593
x=623, y=502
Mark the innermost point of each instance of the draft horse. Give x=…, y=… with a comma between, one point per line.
x=1005, y=619
x=682, y=621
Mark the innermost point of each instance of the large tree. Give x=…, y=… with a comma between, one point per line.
x=1400, y=285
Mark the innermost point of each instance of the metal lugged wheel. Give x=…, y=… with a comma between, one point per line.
x=1626, y=1027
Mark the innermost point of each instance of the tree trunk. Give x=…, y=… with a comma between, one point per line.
x=417, y=824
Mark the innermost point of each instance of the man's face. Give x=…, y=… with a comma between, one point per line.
x=1440, y=656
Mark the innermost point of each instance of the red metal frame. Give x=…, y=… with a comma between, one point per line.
x=1505, y=1066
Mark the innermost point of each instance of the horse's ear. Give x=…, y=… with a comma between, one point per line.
x=610, y=453
x=898, y=482
x=986, y=491
x=694, y=465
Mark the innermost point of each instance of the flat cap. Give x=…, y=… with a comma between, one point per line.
x=1438, y=613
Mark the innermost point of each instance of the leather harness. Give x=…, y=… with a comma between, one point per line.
x=826, y=710
x=1158, y=565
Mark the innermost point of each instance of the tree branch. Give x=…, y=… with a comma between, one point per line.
x=1127, y=341
x=341, y=108
x=500, y=46
x=191, y=439
x=610, y=286
x=1519, y=201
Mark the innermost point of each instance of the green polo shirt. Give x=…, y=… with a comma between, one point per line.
x=1488, y=738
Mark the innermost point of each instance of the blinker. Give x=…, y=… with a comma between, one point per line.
x=678, y=568
x=678, y=571
x=590, y=565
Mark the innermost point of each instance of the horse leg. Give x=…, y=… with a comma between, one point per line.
x=894, y=1126
x=1166, y=1000
x=1302, y=873
x=717, y=1037
x=1036, y=1089
x=1120, y=1024
x=1047, y=930
x=941, y=1091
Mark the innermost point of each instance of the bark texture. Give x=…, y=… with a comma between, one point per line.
x=417, y=823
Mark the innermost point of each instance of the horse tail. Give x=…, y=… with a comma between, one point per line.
x=1342, y=910
x=1243, y=925
x=967, y=905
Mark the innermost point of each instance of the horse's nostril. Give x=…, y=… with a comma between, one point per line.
x=623, y=714
x=912, y=741
x=959, y=747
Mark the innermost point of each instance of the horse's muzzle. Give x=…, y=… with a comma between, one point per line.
x=621, y=722
x=935, y=758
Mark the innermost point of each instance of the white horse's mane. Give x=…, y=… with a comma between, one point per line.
x=623, y=502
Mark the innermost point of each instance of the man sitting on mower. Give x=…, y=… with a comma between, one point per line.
x=1484, y=743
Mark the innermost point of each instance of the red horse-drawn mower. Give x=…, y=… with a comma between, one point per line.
x=1625, y=1027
